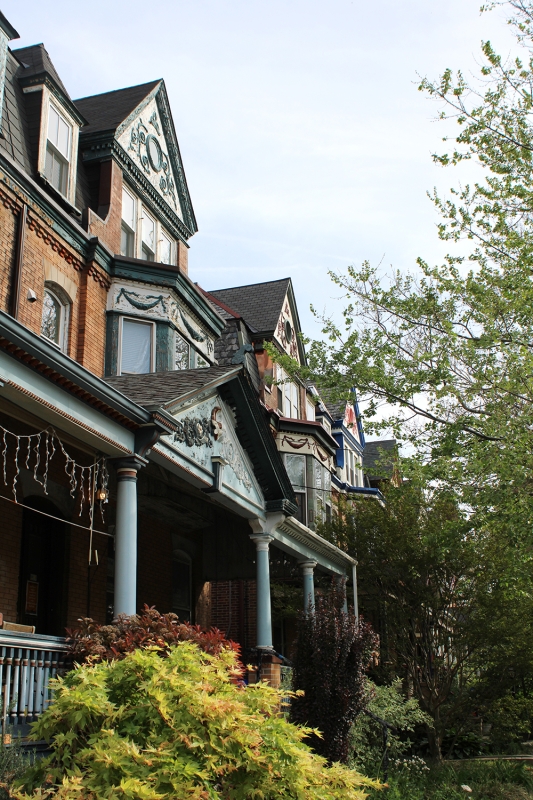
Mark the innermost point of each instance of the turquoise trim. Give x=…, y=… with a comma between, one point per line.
x=164, y=347
x=162, y=275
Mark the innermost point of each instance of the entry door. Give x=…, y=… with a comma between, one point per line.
x=42, y=582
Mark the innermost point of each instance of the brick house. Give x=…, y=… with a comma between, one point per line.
x=138, y=461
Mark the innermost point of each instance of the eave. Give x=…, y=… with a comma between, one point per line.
x=309, y=428
x=44, y=358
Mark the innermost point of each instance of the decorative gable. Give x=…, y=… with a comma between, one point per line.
x=144, y=140
x=286, y=332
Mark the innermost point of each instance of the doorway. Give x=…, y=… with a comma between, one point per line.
x=43, y=580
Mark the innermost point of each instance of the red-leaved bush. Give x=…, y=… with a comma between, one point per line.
x=147, y=629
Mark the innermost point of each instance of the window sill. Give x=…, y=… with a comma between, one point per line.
x=58, y=197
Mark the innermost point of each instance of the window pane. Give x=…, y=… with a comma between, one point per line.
x=127, y=242
x=53, y=125
x=318, y=475
x=310, y=410
x=181, y=586
x=295, y=466
x=148, y=231
x=165, y=255
x=136, y=347
x=182, y=353
x=128, y=210
x=56, y=170
x=200, y=361
x=63, y=137
x=51, y=320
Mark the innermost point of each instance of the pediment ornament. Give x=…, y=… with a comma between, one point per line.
x=152, y=157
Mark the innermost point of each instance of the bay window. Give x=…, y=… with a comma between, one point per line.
x=136, y=354
x=148, y=236
x=143, y=236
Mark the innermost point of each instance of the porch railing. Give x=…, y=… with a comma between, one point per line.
x=27, y=663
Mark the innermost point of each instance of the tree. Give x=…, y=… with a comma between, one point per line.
x=176, y=728
x=427, y=582
x=332, y=653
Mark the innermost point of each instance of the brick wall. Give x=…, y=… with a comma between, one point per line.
x=107, y=222
x=234, y=611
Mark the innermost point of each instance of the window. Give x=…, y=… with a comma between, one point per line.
x=148, y=236
x=54, y=321
x=310, y=409
x=200, y=361
x=136, y=353
x=351, y=474
x=129, y=224
x=165, y=249
x=287, y=396
x=58, y=149
x=181, y=353
x=295, y=466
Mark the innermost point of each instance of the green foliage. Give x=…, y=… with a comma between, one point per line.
x=151, y=728
x=332, y=654
x=387, y=703
x=511, y=717
x=95, y=642
x=14, y=761
x=488, y=780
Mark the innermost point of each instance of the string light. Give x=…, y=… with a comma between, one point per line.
x=40, y=448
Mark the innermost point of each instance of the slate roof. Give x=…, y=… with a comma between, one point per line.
x=156, y=389
x=35, y=60
x=105, y=112
x=260, y=304
x=380, y=456
x=14, y=123
x=336, y=410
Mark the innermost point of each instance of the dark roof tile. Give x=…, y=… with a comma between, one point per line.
x=35, y=60
x=105, y=112
x=380, y=456
x=260, y=304
x=156, y=389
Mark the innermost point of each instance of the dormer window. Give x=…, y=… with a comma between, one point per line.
x=58, y=151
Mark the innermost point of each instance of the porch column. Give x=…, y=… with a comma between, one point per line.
x=264, y=612
x=341, y=586
x=355, y=597
x=308, y=585
x=262, y=537
x=126, y=535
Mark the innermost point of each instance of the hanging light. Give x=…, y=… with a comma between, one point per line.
x=102, y=494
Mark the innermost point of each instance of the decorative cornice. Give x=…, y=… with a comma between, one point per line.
x=314, y=542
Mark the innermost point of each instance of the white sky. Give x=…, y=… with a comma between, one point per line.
x=306, y=144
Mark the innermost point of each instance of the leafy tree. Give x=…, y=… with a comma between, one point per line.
x=176, y=728
x=426, y=582
x=332, y=653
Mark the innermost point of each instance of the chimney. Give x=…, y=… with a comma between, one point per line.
x=7, y=32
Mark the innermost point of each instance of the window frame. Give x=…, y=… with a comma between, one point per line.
x=48, y=100
x=160, y=232
x=64, y=303
x=124, y=225
x=152, y=344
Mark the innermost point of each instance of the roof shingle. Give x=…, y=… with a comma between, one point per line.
x=260, y=304
x=105, y=112
x=35, y=60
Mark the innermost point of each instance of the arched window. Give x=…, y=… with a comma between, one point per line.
x=54, y=321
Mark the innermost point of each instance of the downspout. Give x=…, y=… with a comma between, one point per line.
x=19, y=258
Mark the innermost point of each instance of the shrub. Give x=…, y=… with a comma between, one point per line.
x=387, y=703
x=332, y=653
x=14, y=761
x=150, y=628
x=176, y=728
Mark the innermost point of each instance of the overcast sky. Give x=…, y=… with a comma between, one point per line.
x=306, y=144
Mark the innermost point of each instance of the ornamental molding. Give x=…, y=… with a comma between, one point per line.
x=153, y=159
x=297, y=444
x=208, y=432
x=161, y=306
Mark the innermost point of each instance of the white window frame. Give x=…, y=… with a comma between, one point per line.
x=152, y=345
x=47, y=100
x=159, y=232
x=64, y=318
x=124, y=223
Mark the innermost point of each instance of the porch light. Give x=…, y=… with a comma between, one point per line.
x=102, y=495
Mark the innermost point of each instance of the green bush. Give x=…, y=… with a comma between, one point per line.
x=178, y=728
x=389, y=704
x=511, y=717
x=14, y=761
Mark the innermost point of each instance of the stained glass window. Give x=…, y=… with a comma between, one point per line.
x=52, y=317
x=182, y=353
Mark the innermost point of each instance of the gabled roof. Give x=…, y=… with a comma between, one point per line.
x=168, y=391
x=380, y=456
x=105, y=112
x=260, y=304
x=157, y=389
x=36, y=61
